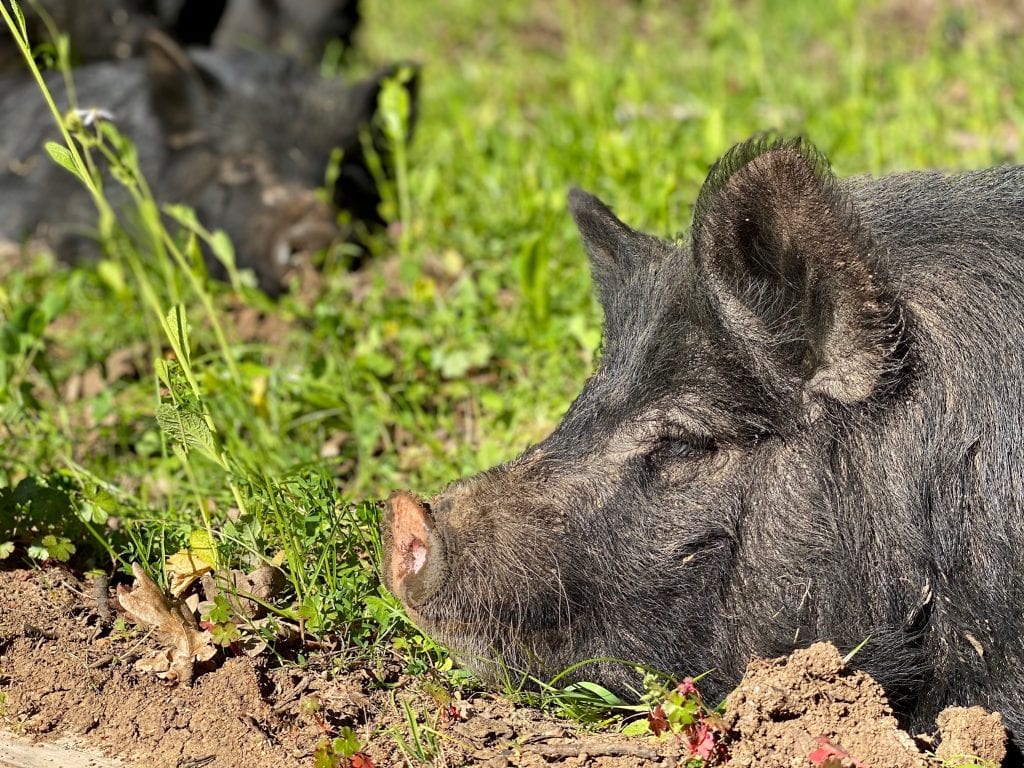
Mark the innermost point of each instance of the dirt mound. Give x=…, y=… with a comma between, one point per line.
x=65, y=672
x=971, y=731
x=786, y=709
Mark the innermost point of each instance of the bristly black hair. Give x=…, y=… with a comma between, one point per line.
x=741, y=154
x=783, y=161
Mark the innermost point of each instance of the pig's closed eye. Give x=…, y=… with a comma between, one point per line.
x=683, y=447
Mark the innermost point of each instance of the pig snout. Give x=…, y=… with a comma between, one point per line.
x=414, y=556
x=303, y=237
x=302, y=223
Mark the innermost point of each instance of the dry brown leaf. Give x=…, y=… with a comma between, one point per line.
x=82, y=386
x=175, y=626
x=145, y=603
x=332, y=445
x=121, y=363
x=183, y=568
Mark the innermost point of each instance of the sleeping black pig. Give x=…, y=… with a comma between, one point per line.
x=807, y=424
x=244, y=138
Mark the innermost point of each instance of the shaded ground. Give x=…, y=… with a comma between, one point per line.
x=63, y=672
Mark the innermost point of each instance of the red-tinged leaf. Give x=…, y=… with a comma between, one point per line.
x=657, y=721
x=700, y=741
x=819, y=756
x=451, y=714
x=829, y=755
x=362, y=760
x=824, y=751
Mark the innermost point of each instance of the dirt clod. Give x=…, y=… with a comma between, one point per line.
x=784, y=706
x=971, y=732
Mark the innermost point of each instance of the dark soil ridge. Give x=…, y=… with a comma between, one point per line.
x=62, y=677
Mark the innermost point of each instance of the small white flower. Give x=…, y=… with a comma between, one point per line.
x=93, y=115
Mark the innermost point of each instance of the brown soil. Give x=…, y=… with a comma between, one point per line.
x=786, y=708
x=65, y=672
x=971, y=731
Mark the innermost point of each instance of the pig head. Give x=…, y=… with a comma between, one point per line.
x=757, y=462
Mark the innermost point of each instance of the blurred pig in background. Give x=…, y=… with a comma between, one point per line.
x=243, y=138
x=241, y=132
x=103, y=30
x=306, y=30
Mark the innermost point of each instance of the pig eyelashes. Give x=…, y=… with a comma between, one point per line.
x=663, y=436
x=684, y=447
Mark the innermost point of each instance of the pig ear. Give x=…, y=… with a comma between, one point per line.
x=615, y=249
x=177, y=91
x=780, y=247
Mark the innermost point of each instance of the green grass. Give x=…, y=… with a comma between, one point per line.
x=470, y=332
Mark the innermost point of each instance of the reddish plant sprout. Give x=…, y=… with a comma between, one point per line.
x=680, y=711
x=361, y=760
x=829, y=755
x=451, y=714
x=700, y=741
x=657, y=722
x=688, y=688
x=343, y=751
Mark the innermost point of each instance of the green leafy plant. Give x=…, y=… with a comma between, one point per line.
x=678, y=711
x=417, y=741
x=219, y=620
x=343, y=751
x=39, y=515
